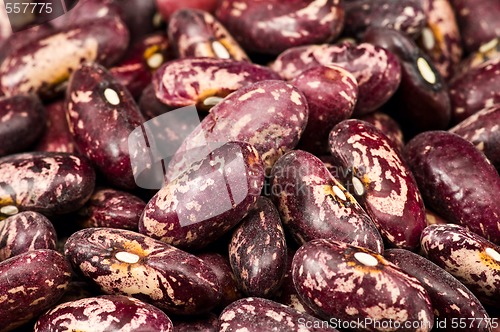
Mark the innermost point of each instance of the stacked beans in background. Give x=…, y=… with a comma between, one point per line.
x=342, y=173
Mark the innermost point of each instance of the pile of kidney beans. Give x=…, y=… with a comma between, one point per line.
x=342, y=173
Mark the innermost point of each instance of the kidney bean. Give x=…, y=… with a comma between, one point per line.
x=104, y=313
x=41, y=67
x=486, y=52
x=186, y=82
x=151, y=106
x=24, y=37
x=387, y=125
x=129, y=263
x=196, y=33
x=24, y=232
x=433, y=219
x=376, y=70
x=207, y=200
x=450, y=299
x=478, y=21
x=141, y=16
x=168, y=7
x=380, y=180
x=331, y=93
x=135, y=70
x=422, y=94
x=45, y=182
x=101, y=114
x=313, y=204
x=469, y=257
x=56, y=137
x=255, y=314
x=440, y=37
x=336, y=280
x=441, y=162
x=475, y=90
x=86, y=11
x=208, y=323
x=21, y=123
x=31, y=283
x=270, y=115
x=407, y=16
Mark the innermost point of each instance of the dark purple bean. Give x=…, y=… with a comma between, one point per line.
x=469, y=257
x=24, y=37
x=257, y=250
x=45, y=182
x=270, y=115
x=207, y=200
x=41, y=67
x=407, y=16
x=129, y=263
x=421, y=102
x=186, y=82
x=376, y=70
x=478, y=21
x=87, y=11
x=253, y=314
x=387, y=125
x=56, y=137
x=207, y=323
x=314, y=205
x=196, y=33
x=102, y=114
x=475, y=90
x=271, y=27
x=22, y=120
x=151, y=106
x=24, y=232
x=442, y=163
x=450, y=299
x=331, y=93
x=380, y=180
x=483, y=130
x=487, y=51
x=168, y=7
x=350, y=284
x=440, y=37
x=141, y=17
x=104, y=313
x=112, y=208
x=31, y=283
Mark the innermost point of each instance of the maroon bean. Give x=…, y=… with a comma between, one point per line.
x=21, y=123
x=101, y=114
x=387, y=125
x=86, y=11
x=314, y=205
x=271, y=27
x=168, y=7
x=24, y=37
x=45, y=182
x=31, y=283
x=380, y=180
x=486, y=52
x=442, y=163
x=151, y=106
x=141, y=17
x=56, y=137
x=129, y=263
x=196, y=33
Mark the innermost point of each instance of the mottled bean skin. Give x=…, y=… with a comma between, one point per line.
x=407, y=16
x=31, y=283
x=389, y=192
x=186, y=82
x=270, y=115
x=40, y=67
x=152, y=271
x=336, y=280
x=207, y=200
x=87, y=11
x=257, y=250
x=475, y=90
x=271, y=27
x=196, y=33
x=450, y=299
x=24, y=37
x=207, y=323
x=254, y=314
x=56, y=137
x=112, y=208
x=45, y=182
x=388, y=126
x=25, y=231
x=313, y=204
x=487, y=51
x=331, y=93
x=469, y=257
x=22, y=120
x=376, y=70
x=106, y=313
x=456, y=181
x=101, y=123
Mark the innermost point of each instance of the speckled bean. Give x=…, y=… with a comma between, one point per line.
x=24, y=37
x=106, y=313
x=25, y=231
x=129, y=263
x=380, y=180
x=56, y=137
x=387, y=125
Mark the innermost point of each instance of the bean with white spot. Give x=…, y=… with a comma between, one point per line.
x=487, y=51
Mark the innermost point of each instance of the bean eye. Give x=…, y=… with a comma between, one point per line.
x=111, y=96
